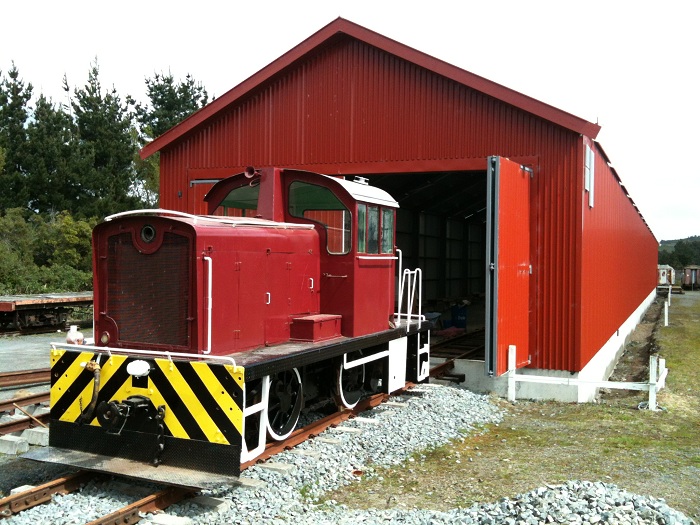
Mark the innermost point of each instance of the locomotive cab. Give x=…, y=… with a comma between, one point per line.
x=356, y=228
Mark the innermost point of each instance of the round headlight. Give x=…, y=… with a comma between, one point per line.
x=148, y=233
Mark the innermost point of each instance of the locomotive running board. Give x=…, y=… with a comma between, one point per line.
x=165, y=474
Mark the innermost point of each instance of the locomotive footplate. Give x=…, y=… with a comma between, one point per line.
x=273, y=359
x=184, y=462
x=165, y=474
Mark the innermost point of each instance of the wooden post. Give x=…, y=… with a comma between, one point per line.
x=666, y=313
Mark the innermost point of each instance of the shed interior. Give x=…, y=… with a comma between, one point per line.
x=441, y=228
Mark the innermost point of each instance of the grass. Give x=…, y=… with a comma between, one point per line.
x=649, y=453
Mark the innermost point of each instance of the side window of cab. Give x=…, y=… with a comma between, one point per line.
x=375, y=229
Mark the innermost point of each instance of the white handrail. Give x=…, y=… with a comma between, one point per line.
x=230, y=221
x=410, y=279
x=400, y=254
x=209, y=287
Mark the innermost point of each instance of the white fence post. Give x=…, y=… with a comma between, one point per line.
x=653, y=365
x=511, y=373
x=666, y=313
x=669, y=294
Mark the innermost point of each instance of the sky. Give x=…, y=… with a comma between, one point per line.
x=630, y=66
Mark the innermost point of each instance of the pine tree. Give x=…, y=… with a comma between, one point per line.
x=170, y=102
x=107, y=147
x=50, y=159
x=14, y=111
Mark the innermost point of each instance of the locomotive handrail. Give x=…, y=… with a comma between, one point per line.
x=389, y=258
x=231, y=221
x=154, y=353
x=209, y=287
x=410, y=279
x=160, y=211
x=362, y=360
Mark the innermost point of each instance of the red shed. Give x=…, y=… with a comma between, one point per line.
x=502, y=197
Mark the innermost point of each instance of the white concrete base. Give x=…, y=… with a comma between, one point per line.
x=13, y=445
x=250, y=484
x=281, y=468
x=211, y=503
x=37, y=436
x=169, y=519
x=598, y=369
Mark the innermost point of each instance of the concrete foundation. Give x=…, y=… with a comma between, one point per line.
x=598, y=369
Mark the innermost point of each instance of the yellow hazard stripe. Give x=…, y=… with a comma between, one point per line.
x=63, y=383
x=191, y=401
x=218, y=392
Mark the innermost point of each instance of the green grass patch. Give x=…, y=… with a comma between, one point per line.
x=649, y=453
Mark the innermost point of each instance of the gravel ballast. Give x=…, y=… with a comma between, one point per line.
x=388, y=435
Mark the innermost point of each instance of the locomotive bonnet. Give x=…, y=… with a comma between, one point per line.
x=214, y=332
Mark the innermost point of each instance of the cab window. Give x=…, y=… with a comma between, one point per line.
x=375, y=229
x=240, y=202
x=321, y=205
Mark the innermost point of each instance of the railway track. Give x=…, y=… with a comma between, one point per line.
x=23, y=378
x=160, y=500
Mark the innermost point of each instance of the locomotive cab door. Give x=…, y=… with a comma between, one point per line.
x=508, y=266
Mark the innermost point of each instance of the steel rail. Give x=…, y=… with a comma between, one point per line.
x=24, y=423
x=25, y=377
x=8, y=405
x=15, y=503
x=157, y=501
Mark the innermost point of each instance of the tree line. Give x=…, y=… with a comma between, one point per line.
x=65, y=166
x=685, y=252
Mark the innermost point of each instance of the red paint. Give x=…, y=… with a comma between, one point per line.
x=513, y=263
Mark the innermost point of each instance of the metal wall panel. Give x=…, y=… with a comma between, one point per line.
x=351, y=108
x=618, y=260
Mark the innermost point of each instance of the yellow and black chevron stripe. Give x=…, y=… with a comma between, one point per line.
x=203, y=400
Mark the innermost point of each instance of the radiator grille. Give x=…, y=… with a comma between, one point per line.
x=148, y=294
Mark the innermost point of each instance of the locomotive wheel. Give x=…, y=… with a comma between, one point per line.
x=284, y=402
x=349, y=383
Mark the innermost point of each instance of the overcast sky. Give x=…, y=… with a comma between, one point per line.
x=630, y=66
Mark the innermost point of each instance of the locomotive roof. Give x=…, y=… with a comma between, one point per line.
x=363, y=192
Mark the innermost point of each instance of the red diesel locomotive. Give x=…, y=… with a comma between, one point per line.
x=213, y=333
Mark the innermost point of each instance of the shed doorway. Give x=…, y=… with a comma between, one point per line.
x=469, y=231
x=441, y=228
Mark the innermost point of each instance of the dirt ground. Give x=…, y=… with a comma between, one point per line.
x=633, y=364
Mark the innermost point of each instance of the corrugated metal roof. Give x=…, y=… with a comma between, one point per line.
x=340, y=28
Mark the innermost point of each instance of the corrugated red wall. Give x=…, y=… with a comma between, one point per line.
x=351, y=108
x=618, y=259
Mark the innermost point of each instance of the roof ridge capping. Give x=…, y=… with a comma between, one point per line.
x=356, y=31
